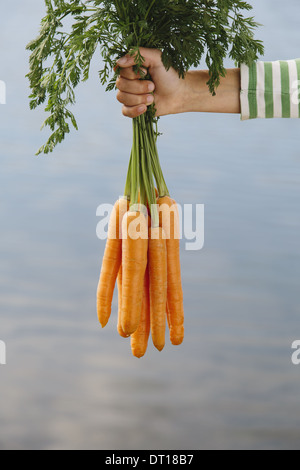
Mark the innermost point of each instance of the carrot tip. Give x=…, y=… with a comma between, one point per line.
x=129, y=331
x=102, y=323
x=138, y=355
x=121, y=333
x=177, y=342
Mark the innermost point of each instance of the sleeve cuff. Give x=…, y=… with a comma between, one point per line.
x=270, y=90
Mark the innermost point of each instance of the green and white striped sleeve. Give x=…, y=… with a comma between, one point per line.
x=270, y=90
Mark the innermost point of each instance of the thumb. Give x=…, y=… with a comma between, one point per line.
x=151, y=58
x=126, y=61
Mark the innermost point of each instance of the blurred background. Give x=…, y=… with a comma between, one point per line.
x=68, y=384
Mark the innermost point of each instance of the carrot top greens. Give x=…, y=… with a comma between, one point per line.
x=73, y=32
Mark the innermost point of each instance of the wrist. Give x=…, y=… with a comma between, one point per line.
x=174, y=102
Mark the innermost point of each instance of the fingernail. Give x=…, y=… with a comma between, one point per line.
x=141, y=109
x=150, y=99
x=151, y=87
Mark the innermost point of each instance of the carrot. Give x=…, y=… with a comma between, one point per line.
x=139, y=339
x=168, y=317
x=119, y=282
x=158, y=285
x=111, y=262
x=169, y=221
x=134, y=263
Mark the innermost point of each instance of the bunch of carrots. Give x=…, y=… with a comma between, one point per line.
x=142, y=253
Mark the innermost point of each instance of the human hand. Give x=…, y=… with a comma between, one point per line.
x=166, y=88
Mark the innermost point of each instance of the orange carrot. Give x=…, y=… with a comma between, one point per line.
x=119, y=282
x=168, y=317
x=134, y=263
x=169, y=221
x=158, y=285
x=111, y=262
x=139, y=339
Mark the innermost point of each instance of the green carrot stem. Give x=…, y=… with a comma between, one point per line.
x=143, y=170
x=157, y=171
x=147, y=172
x=135, y=176
x=127, y=191
x=144, y=167
x=150, y=188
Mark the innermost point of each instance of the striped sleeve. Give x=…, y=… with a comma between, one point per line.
x=270, y=90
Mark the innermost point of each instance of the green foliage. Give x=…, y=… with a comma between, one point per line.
x=72, y=33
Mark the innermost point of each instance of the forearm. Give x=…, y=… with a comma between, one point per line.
x=196, y=97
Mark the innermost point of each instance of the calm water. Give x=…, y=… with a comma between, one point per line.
x=70, y=385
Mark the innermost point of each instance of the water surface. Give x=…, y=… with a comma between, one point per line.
x=70, y=385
